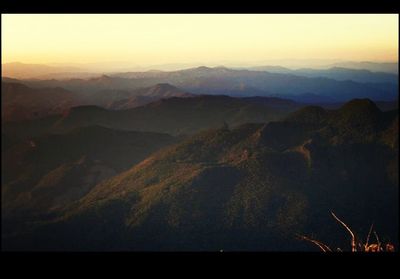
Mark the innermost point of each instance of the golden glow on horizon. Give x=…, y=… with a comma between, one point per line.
x=147, y=39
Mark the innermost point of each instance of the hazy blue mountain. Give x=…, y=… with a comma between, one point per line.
x=338, y=73
x=221, y=80
x=358, y=75
x=389, y=67
x=271, y=69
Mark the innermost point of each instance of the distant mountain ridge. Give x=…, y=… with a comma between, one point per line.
x=245, y=83
x=22, y=70
x=21, y=102
x=337, y=73
x=147, y=95
x=388, y=67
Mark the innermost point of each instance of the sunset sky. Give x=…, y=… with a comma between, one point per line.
x=155, y=39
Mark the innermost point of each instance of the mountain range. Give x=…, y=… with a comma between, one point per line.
x=221, y=80
x=24, y=70
x=251, y=187
x=200, y=159
x=81, y=70
x=305, y=85
x=337, y=73
x=175, y=116
x=388, y=67
x=21, y=102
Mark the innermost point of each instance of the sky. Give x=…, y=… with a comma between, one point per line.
x=153, y=39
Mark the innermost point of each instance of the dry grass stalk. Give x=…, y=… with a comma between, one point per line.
x=322, y=246
x=353, y=238
x=374, y=247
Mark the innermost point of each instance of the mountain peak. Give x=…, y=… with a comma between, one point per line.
x=102, y=78
x=165, y=86
x=358, y=120
x=221, y=68
x=203, y=68
x=360, y=106
x=200, y=70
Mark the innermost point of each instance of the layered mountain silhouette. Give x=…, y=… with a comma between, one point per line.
x=200, y=159
x=23, y=70
x=148, y=95
x=175, y=115
x=21, y=102
x=221, y=80
x=337, y=73
x=388, y=67
x=252, y=187
x=245, y=83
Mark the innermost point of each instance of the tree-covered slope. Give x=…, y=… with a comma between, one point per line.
x=249, y=188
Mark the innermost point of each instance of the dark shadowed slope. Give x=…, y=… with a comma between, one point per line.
x=45, y=173
x=249, y=188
